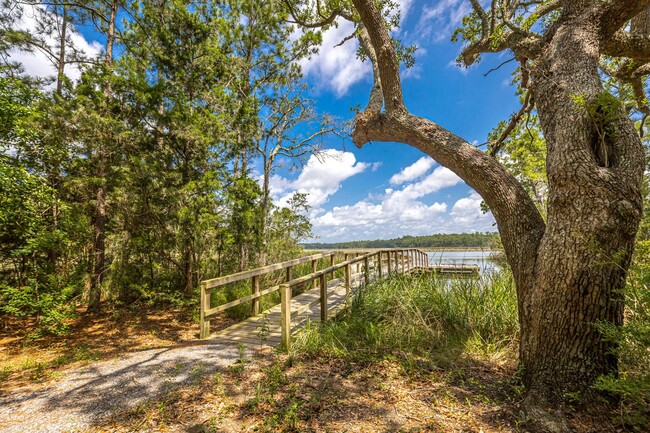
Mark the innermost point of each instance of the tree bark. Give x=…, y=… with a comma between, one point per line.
x=100, y=217
x=595, y=169
x=61, y=63
x=267, y=163
x=569, y=272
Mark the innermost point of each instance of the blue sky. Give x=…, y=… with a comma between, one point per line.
x=388, y=190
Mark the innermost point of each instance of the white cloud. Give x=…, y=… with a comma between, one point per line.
x=467, y=213
x=320, y=178
x=336, y=68
x=36, y=63
x=404, y=209
x=397, y=212
x=438, y=21
x=367, y=220
x=413, y=171
x=438, y=179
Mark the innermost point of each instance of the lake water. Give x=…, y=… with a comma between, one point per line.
x=480, y=258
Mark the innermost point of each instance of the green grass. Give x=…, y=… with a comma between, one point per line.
x=420, y=316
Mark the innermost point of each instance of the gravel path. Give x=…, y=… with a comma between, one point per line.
x=85, y=395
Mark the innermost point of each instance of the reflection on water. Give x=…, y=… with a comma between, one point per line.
x=480, y=258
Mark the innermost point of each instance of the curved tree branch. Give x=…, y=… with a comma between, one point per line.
x=624, y=44
x=325, y=20
x=616, y=14
x=385, y=52
x=516, y=214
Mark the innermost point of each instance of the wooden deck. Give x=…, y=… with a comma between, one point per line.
x=449, y=269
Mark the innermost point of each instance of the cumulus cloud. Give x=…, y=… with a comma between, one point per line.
x=336, y=67
x=467, y=213
x=367, y=220
x=438, y=179
x=36, y=63
x=397, y=212
x=406, y=208
x=438, y=21
x=320, y=178
x=413, y=171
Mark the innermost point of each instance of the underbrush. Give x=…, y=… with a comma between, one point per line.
x=632, y=385
x=420, y=316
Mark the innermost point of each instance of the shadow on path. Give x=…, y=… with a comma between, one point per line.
x=87, y=394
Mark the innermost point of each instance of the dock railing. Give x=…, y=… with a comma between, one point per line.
x=368, y=265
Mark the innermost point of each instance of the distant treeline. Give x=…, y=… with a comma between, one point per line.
x=455, y=240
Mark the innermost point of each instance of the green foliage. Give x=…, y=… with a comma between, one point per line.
x=456, y=240
x=144, y=162
x=632, y=342
x=523, y=153
x=288, y=226
x=35, y=224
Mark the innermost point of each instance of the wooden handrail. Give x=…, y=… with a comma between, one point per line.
x=232, y=278
x=414, y=258
x=328, y=270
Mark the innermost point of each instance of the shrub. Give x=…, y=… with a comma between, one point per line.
x=632, y=340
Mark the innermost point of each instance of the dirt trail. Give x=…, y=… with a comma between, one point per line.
x=85, y=395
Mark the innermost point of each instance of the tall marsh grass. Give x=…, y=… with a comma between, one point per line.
x=419, y=315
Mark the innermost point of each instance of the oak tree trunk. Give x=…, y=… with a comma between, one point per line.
x=594, y=167
x=570, y=270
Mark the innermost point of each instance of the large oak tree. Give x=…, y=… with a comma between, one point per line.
x=570, y=269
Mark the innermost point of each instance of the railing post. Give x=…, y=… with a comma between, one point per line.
x=332, y=259
x=366, y=271
x=205, y=306
x=358, y=264
x=348, y=282
x=285, y=315
x=401, y=259
x=379, y=263
x=396, y=263
x=289, y=273
x=314, y=263
x=255, y=306
x=323, y=298
x=390, y=266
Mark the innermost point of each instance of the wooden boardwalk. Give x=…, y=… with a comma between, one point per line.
x=276, y=326
x=248, y=331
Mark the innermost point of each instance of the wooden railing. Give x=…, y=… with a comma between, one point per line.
x=392, y=260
